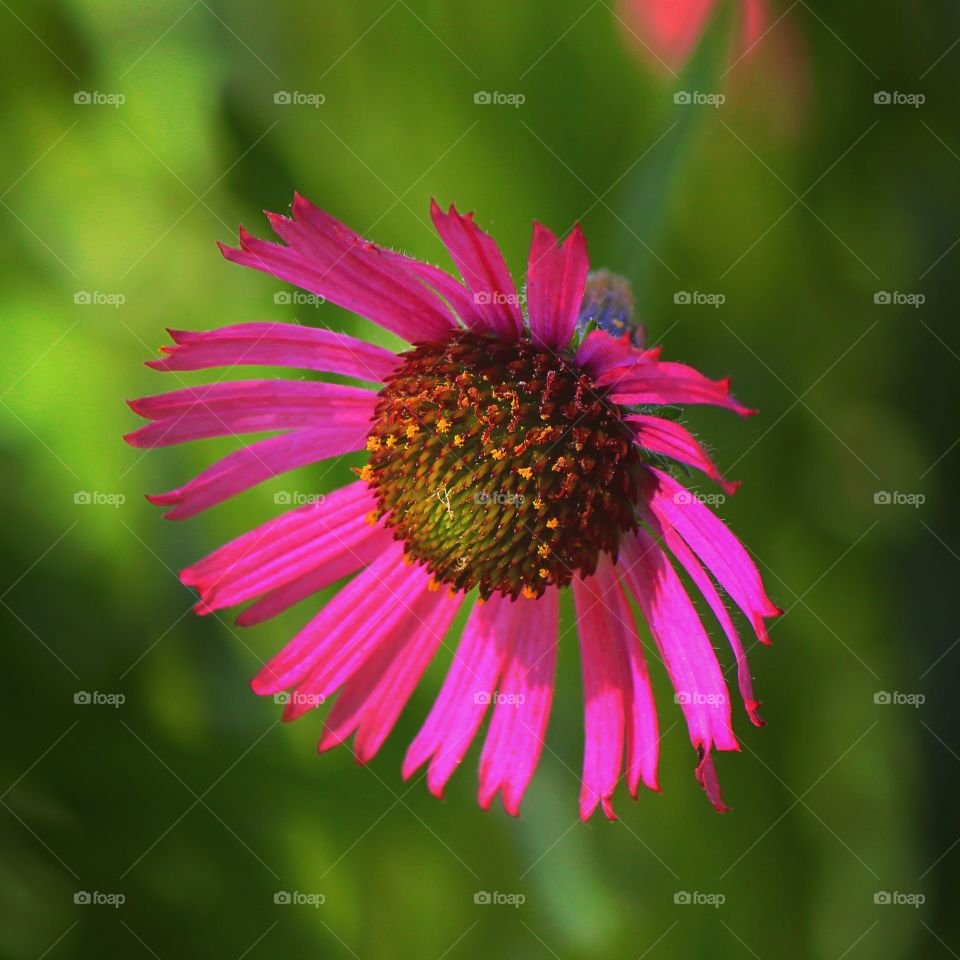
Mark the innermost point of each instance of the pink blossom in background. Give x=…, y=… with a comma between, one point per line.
x=513, y=453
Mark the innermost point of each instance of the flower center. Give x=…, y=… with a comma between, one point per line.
x=500, y=465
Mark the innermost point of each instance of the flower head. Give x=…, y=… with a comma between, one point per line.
x=510, y=456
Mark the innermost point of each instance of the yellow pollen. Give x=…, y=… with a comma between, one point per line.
x=525, y=472
x=365, y=473
x=391, y=440
x=412, y=431
x=553, y=523
x=373, y=443
x=543, y=550
x=544, y=573
x=443, y=425
x=498, y=453
x=434, y=585
x=538, y=504
x=529, y=593
x=561, y=464
x=372, y=517
x=458, y=440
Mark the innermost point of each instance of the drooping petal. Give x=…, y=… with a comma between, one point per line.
x=701, y=578
x=710, y=539
x=283, y=549
x=673, y=440
x=277, y=345
x=682, y=642
x=515, y=737
x=329, y=649
x=373, y=698
x=260, y=461
x=469, y=687
x=481, y=264
x=648, y=381
x=605, y=688
x=556, y=275
x=329, y=259
x=246, y=406
x=601, y=352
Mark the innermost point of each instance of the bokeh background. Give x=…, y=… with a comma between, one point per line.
x=799, y=200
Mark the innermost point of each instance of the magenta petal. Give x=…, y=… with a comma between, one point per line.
x=648, y=381
x=335, y=644
x=283, y=549
x=600, y=352
x=277, y=345
x=683, y=643
x=330, y=260
x=517, y=728
x=261, y=461
x=460, y=708
x=672, y=440
x=375, y=695
x=701, y=578
x=481, y=264
x=556, y=275
x=707, y=778
x=246, y=406
x=711, y=540
x=606, y=685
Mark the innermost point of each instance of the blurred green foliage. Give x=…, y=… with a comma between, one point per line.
x=799, y=199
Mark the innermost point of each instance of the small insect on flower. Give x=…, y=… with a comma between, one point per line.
x=510, y=457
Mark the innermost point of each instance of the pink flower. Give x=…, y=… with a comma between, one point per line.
x=667, y=31
x=512, y=453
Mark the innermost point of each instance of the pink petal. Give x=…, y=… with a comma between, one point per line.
x=375, y=695
x=469, y=687
x=461, y=300
x=330, y=260
x=711, y=540
x=681, y=640
x=600, y=352
x=277, y=345
x=665, y=382
x=283, y=549
x=515, y=738
x=673, y=440
x=605, y=687
x=250, y=465
x=329, y=649
x=556, y=275
x=251, y=406
x=359, y=553
x=613, y=639
x=705, y=585
x=481, y=264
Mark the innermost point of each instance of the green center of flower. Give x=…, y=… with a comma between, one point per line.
x=500, y=465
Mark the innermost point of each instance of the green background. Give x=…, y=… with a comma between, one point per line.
x=799, y=199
